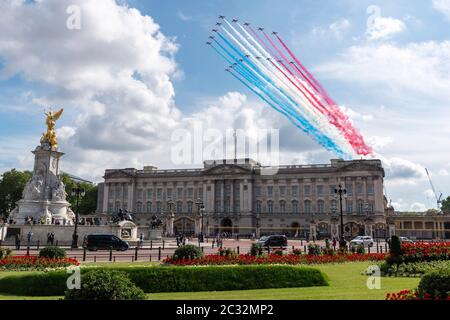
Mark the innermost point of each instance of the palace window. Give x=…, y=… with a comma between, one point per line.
x=190, y=192
x=282, y=191
x=139, y=193
x=320, y=206
x=149, y=206
x=217, y=206
x=258, y=191
x=349, y=189
x=270, y=206
x=118, y=192
x=282, y=207
x=295, y=191
x=349, y=205
x=370, y=189
x=149, y=193
x=295, y=206
x=139, y=207
x=179, y=206
x=332, y=188
x=258, y=206
x=169, y=192
x=270, y=191
x=237, y=206
x=307, y=207
x=159, y=193
x=125, y=191
x=360, y=207
x=180, y=193
x=307, y=190
x=158, y=207
x=320, y=190
x=110, y=207
x=359, y=188
x=190, y=204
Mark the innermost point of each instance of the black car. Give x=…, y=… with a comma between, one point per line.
x=274, y=241
x=94, y=242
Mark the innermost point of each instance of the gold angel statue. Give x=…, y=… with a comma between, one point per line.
x=50, y=135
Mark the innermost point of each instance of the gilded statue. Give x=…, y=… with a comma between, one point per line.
x=50, y=135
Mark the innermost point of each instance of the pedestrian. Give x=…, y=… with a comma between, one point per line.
x=52, y=238
x=17, y=238
x=48, y=238
x=141, y=240
x=334, y=243
x=29, y=237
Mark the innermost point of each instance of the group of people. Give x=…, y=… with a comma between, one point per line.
x=181, y=240
x=50, y=238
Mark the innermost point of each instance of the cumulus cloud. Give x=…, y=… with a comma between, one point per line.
x=400, y=170
x=335, y=29
x=388, y=68
x=443, y=6
x=384, y=28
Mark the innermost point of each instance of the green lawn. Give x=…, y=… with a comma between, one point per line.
x=346, y=282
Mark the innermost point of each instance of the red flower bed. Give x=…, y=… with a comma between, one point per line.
x=418, y=251
x=35, y=263
x=409, y=295
x=244, y=259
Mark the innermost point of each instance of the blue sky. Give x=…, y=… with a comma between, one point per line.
x=390, y=76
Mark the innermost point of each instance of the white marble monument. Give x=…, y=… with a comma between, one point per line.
x=44, y=196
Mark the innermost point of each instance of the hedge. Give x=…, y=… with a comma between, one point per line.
x=435, y=284
x=177, y=279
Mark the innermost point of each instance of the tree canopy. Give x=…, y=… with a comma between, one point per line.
x=446, y=205
x=12, y=184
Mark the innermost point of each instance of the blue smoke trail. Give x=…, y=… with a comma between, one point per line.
x=251, y=76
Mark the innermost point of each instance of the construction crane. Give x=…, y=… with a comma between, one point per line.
x=438, y=199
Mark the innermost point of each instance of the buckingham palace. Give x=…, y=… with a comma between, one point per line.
x=242, y=198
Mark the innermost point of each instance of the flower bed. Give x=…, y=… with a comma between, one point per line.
x=24, y=263
x=245, y=259
x=417, y=251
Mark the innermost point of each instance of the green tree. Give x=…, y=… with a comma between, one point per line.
x=12, y=184
x=446, y=205
x=88, y=203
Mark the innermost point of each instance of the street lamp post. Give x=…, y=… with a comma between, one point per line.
x=201, y=210
x=342, y=192
x=170, y=206
x=77, y=192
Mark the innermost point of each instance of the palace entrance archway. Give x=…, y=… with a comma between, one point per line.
x=184, y=226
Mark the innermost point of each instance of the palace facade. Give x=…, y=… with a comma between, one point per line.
x=242, y=197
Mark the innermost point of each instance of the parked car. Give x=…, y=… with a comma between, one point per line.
x=279, y=241
x=364, y=240
x=405, y=240
x=105, y=241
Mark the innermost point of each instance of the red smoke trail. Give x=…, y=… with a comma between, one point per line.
x=339, y=119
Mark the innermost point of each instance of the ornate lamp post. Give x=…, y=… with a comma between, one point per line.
x=201, y=211
x=77, y=192
x=170, y=206
x=342, y=192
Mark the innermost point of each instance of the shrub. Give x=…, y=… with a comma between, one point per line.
x=413, y=269
x=297, y=252
x=188, y=251
x=328, y=251
x=360, y=249
x=52, y=252
x=313, y=249
x=256, y=250
x=227, y=252
x=435, y=284
x=176, y=279
x=4, y=253
x=278, y=252
x=105, y=284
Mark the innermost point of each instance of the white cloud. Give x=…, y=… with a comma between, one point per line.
x=384, y=28
x=418, y=207
x=415, y=70
x=401, y=171
x=443, y=6
x=335, y=29
x=354, y=115
x=443, y=172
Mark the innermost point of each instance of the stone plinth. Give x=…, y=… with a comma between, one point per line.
x=155, y=234
x=44, y=196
